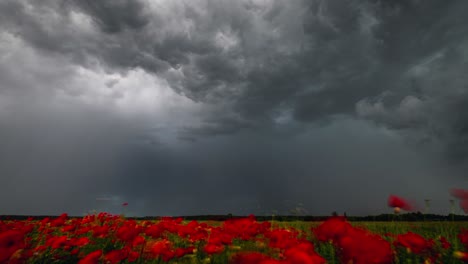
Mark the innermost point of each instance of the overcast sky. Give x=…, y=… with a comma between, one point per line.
x=217, y=106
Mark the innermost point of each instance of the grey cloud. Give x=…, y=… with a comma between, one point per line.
x=329, y=48
x=125, y=15
x=306, y=101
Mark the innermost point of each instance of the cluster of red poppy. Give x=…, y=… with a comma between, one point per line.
x=354, y=245
x=106, y=238
x=111, y=239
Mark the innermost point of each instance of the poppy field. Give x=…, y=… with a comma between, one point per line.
x=106, y=238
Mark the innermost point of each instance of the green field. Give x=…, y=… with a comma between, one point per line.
x=430, y=230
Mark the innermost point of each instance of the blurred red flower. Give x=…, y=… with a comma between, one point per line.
x=464, y=205
x=100, y=231
x=213, y=249
x=163, y=249
x=353, y=244
x=459, y=193
x=57, y=242
x=91, y=258
x=395, y=201
x=282, y=238
x=139, y=240
x=414, y=242
x=133, y=256
x=116, y=256
x=463, y=237
x=10, y=242
x=444, y=243
x=180, y=252
x=127, y=233
x=125, y=204
x=332, y=229
x=80, y=242
x=361, y=247
x=252, y=258
x=298, y=255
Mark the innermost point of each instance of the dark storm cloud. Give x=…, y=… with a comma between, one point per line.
x=428, y=55
x=281, y=95
x=328, y=60
x=124, y=15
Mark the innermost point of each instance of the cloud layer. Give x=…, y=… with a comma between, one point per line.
x=203, y=106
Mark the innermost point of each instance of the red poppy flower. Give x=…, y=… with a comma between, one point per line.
x=68, y=228
x=154, y=231
x=79, y=242
x=57, y=242
x=332, y=229
x=180, y=252
x=91, y=258
x=10, y=242
x=414, y=242
x=464, y=205
x=360, y=246
x=395, y=201
x=116, y=256
x=139, y=240
x=100, y=231
x=213, y=249
x=162, y=249
x=463, y=237
x=444, y=243
x=252, y=258
x=127, y=233
x=125, y=204
x=459, y=193
x=297, y=255
x=133, y=256
x=282, y=238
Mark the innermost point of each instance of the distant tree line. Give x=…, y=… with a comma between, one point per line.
x=410, y=217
